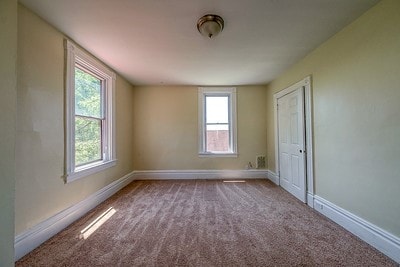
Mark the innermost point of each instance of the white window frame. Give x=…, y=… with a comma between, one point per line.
x=75, y=56
x=203, y=92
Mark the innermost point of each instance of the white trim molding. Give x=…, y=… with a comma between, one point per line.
x=310, y=200
x=273, y=177
x=199, y=174
x=77, y=57
x=230, y=93
x=383, y=241
x=33, y=237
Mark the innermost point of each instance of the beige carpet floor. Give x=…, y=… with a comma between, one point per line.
x=204, y=223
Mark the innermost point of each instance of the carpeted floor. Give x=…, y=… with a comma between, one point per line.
x=204, y=223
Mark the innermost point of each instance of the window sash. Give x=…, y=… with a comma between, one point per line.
x=208, y=99
x=220, y=144
x=102, y=90
x=229, y=111
x=101, y=140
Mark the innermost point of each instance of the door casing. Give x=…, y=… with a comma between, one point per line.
x=309, y=169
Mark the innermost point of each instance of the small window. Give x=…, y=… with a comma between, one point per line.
x=217, y=122
x=90, y=137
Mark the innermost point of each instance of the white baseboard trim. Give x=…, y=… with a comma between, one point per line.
x=273, y=177
x=310, y=199
x=370, y=233
x=33, y=237
x=199, y=174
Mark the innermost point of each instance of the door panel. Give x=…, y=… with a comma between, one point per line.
x=294, y=128
x=285, y=171
x=291, y=143
x=295, y=171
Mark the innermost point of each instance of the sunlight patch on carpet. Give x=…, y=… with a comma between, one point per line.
x=96, y=223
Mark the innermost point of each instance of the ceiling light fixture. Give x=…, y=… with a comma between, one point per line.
x=210, y=25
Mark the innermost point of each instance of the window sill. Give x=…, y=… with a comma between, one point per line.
x=217, y=155
x=89, y=169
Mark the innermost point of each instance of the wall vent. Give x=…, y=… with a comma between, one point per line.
x=260, y=162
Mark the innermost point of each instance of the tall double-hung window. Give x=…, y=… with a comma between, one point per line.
x=217, y=122
x=90, y=134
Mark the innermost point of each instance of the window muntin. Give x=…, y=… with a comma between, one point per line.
x=217, y=122
x=90, y=134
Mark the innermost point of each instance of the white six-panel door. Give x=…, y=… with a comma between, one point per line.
x=291, y=143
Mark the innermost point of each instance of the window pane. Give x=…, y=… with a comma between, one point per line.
x=87, y=140
x=217, y=138
x=217, y=109
x=87, y=94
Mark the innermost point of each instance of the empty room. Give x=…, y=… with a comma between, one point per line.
x=200, y=133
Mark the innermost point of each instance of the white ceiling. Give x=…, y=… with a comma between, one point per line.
x=152, y=42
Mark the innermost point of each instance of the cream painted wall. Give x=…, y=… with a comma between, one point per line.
x=356, y=98
x=166, y=128
x=8, y=100
x=40, y=190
